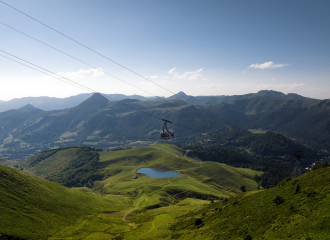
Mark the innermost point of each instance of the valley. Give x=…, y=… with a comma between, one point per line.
x=104, y=201
x=72, y=173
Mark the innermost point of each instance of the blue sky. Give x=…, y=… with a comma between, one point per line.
x=199, y=47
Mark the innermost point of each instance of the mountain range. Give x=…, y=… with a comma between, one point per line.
x=51, y=103
x=102, y=123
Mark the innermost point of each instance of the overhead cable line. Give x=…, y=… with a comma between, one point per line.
x=56, y=49
x=75, y=58
x=52, y=74
x=83, y=45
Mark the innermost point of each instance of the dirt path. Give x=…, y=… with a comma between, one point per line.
x=129, y=211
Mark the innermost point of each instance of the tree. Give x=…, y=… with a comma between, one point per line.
x=243, y=189
x=278, y=200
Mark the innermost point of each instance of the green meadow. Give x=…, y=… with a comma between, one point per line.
x=205, y=202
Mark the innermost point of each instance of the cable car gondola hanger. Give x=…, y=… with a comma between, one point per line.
x=166, y=134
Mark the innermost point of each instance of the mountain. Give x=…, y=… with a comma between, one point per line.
x=206, y=100
x=44, y=103
x=48, y=103
x=306, y=121
x=51, y=103
x=101, y=123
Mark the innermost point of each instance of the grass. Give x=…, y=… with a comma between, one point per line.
x=34, y=208
x=119, y=207
x=54, y=164
x=141, y=208
x=303, y=213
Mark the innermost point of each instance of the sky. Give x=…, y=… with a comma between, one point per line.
x=198, y=47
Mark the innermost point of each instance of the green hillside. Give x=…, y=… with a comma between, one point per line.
x=114, y=191
x=295, y=209
x=34, y=208
x=205, y=202
x=111, y=172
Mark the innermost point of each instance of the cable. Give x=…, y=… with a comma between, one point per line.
x=41, y=71
x=52, y=74
x=75, y=58
x=78, y=84
x=173, y=103
x=175, y=94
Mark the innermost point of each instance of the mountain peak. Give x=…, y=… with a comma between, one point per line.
x=27, y=108
x=96, y=101
x=181, y=94
x=178, y=95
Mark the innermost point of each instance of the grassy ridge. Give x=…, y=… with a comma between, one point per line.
x=296, y=209
x=35, y=208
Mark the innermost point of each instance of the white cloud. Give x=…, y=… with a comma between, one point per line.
x=83, y=73
x=171, y=71
x=187, y=75
x=267, y=65
x=273, y=79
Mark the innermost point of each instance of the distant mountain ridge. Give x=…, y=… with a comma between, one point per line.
x=50, y=103
x=207, y=100
x=97, y=122
x=101, y=123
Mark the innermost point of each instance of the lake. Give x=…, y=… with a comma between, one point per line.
x=154, y=173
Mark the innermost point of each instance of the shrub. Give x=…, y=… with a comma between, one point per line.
x=311, y=193
x=257, y=178
x=278, y=200
x=287, y=179
x=243, y=188
x=198, y=221
x=297, y=188
x=320, y=165
x=248, y=237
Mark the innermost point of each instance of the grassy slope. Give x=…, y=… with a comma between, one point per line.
x=34, y=208
x=152, y=197
x=204, y=177
x=304, y=213
x=53, y=164
x=171, y=196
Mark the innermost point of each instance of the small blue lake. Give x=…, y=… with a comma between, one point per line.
x=154, y=173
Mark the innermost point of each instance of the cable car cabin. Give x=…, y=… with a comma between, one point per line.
x=166, y=134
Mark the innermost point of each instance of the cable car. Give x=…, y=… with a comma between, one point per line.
x=166, y=134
